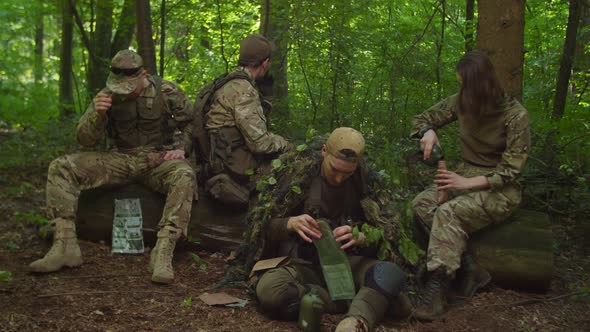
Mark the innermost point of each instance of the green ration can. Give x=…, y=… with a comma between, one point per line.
x=310, y=312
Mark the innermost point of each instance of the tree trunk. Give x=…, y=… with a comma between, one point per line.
x=500, y=31
x=439, y=47
x=275, y=26
x=162, y=36
x=66, y=94
x=469, y=14
x=125, y=28
x=39, y=33
x=145, y=41
x=99, y=64
x=567, y=59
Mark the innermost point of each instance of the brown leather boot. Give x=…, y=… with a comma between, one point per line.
x=471, y=278
x=434, y=300
x=161, y=256
x=64, y=251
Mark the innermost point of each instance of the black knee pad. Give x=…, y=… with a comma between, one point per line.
x=289, y=308
x=386, y=278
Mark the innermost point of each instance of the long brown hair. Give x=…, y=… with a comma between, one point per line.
x=481, y=91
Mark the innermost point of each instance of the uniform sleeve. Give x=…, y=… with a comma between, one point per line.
x=91, y=127
x=277, y=229
x=437, y=116
x=251, y=121
x=182, y=112
x=517, y=149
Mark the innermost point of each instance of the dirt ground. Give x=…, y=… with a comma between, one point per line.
x=114, y=292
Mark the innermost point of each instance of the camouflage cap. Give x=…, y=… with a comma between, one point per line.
x=346, y=144
x=125, y=67
x=254, y=49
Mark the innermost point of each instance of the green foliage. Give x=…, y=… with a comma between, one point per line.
x=196, y=258
x=6, y=277
x=187, y=302
x=31, y=217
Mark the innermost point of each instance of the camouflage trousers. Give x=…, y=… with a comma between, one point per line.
x=464, y=213
x=288, y=284
x=70, y=174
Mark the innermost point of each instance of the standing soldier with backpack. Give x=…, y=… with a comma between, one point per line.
x=233, y=138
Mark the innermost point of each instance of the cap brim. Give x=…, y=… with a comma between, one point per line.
x=121, y=84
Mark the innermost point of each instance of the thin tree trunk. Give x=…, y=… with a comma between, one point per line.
x=39, y=33
x=222, y=39
x=162, y=36
x=145, y=41
x=439, y=47
x=99, y=65
x=500, y=33
x=275, y=26
x=66, y=96
x=125, y=28
x=567, y=59
x=469, y=14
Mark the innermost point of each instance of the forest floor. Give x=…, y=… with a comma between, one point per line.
x=114, y=292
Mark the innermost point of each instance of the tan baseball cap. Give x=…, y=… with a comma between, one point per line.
x=346, y=144
x=124, y=76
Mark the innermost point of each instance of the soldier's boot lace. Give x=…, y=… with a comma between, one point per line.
x=64, y=251
x=162, y=254
x=434, y=295
x=352, y=324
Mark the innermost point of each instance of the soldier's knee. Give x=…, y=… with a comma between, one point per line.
x=386, y=278
x=278, y=298
x=57, y=166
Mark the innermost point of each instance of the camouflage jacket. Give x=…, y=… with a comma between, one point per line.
x=288, y=193
x=237, y=104
x=92, y=127
x=499, y=140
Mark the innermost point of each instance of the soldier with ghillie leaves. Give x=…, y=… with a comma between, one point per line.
x=148, y=121
x=335, y=191
x=494, y=132
x=237, y=127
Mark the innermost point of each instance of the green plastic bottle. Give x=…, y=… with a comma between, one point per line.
x=310, y=312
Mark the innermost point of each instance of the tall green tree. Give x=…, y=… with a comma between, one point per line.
x=500, y=32
x=98, y=67
x=567, y=59
x=66, y=94
x=145, y=40
x=274, y=25
x=125, y=28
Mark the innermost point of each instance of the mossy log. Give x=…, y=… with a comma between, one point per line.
x=216, y=227
x=519, y=252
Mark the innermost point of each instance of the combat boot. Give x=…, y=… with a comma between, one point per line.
x=433, y=303
x=352, y=324
x=471, y=277
x=64, y=251
x=161, y=256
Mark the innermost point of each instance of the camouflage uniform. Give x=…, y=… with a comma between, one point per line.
x=495, y=146
x=136, y=156
x=237, y=128
x=280, y=290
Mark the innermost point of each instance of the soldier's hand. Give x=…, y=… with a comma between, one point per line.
x=305, y=226
x=428, y=140
x=174, y=154
x=102, y=103
x=344, y=234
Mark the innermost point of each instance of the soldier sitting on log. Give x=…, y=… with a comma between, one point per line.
x=232, y=130
x=148, y=119
x=494, y=131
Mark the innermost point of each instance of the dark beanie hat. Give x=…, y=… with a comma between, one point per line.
x=254, y=49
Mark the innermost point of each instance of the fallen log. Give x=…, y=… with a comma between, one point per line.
x=216, y=227
x=517, y=253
